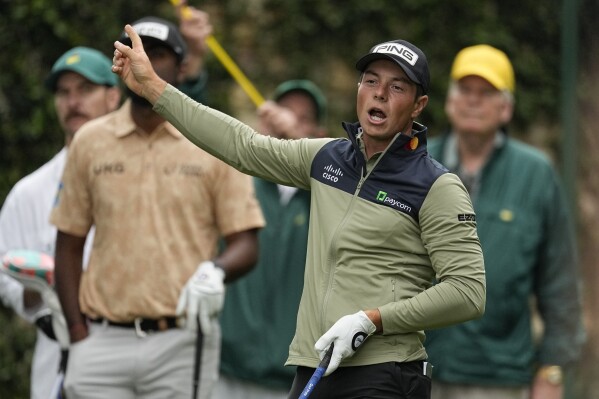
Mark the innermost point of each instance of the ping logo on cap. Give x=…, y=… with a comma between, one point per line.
x=152, y=29
x=399, y=50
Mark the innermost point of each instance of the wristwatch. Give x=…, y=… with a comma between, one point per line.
x=552, y=374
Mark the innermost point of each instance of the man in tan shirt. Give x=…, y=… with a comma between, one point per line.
x=159, y=205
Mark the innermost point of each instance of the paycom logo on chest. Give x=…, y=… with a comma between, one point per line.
x=386, y=199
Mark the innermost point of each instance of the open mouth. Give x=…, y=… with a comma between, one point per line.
x=376, y=115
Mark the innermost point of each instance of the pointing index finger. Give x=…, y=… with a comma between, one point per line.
x=135, y=39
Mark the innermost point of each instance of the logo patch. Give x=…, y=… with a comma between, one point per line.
x=467, y=217
x=412, y=144
x=398, y=50
x=152, y=29
x=74, y=59
x=332, y=174
x=381, y=196
x=358, y=340
x=57, y=197
x=109, y=168
x=506, y=215
x=384, y=198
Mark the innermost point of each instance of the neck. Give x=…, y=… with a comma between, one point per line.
x=474, y=150
x=145, y=118
x=373, y=146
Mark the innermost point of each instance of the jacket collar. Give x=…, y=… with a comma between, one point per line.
x=449, y=148
x=401, y=144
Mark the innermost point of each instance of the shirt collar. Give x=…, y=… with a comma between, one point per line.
x=124, y=124
x=450, y=156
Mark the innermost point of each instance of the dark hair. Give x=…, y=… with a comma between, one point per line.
x=419, y=91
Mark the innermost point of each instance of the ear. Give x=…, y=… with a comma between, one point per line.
x=113, y=97
x=419, y=105
x=506, y=112
x=449, y=106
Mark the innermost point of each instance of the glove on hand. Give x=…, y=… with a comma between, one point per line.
x=348, y=333
x=203, y=296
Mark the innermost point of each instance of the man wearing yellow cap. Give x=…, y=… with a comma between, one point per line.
x=528, y=245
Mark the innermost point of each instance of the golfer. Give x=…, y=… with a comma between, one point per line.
x=159, y=205
x=386, y=219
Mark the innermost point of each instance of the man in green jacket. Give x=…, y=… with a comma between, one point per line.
x=385, y=219
x=264, y=303
x=526, y=235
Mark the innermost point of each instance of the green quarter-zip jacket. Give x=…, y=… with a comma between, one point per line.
x=526, y=232
x=380, y=230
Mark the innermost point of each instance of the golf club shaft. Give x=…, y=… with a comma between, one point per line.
x=197, y=361
x=228, y=63
x=322, y=367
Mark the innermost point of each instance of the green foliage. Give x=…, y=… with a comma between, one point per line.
x=16, y=348
x=274, y=40
x=303, y=37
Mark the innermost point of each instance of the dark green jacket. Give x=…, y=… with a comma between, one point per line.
x=529, y=249
x=258, y=319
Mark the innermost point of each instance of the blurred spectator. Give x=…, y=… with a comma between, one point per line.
x=84, y=88
x=528, y=244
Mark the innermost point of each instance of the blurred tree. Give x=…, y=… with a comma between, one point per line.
x=273, y=40
x=17, y=340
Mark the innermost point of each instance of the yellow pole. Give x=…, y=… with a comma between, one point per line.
x=227, y=62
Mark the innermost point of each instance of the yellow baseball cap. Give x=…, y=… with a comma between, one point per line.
x=487, y=62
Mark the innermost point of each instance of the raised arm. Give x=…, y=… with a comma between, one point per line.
x=135, y=69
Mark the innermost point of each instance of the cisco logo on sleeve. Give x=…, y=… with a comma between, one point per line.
x=332, y=174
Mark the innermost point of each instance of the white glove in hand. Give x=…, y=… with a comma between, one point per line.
x=203, y=296
x=348, y=333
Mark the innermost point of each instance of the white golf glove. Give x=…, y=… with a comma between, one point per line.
x=348, y=333
x=202, y=297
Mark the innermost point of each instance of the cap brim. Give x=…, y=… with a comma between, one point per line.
x=368, y=58
x=52, y=79
x=482, y=72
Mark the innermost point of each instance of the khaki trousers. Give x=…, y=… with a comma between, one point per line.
x=114, y=362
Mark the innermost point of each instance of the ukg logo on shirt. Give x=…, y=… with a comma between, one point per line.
x=384, y=198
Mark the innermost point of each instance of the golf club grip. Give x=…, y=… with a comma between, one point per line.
x=322, y=367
